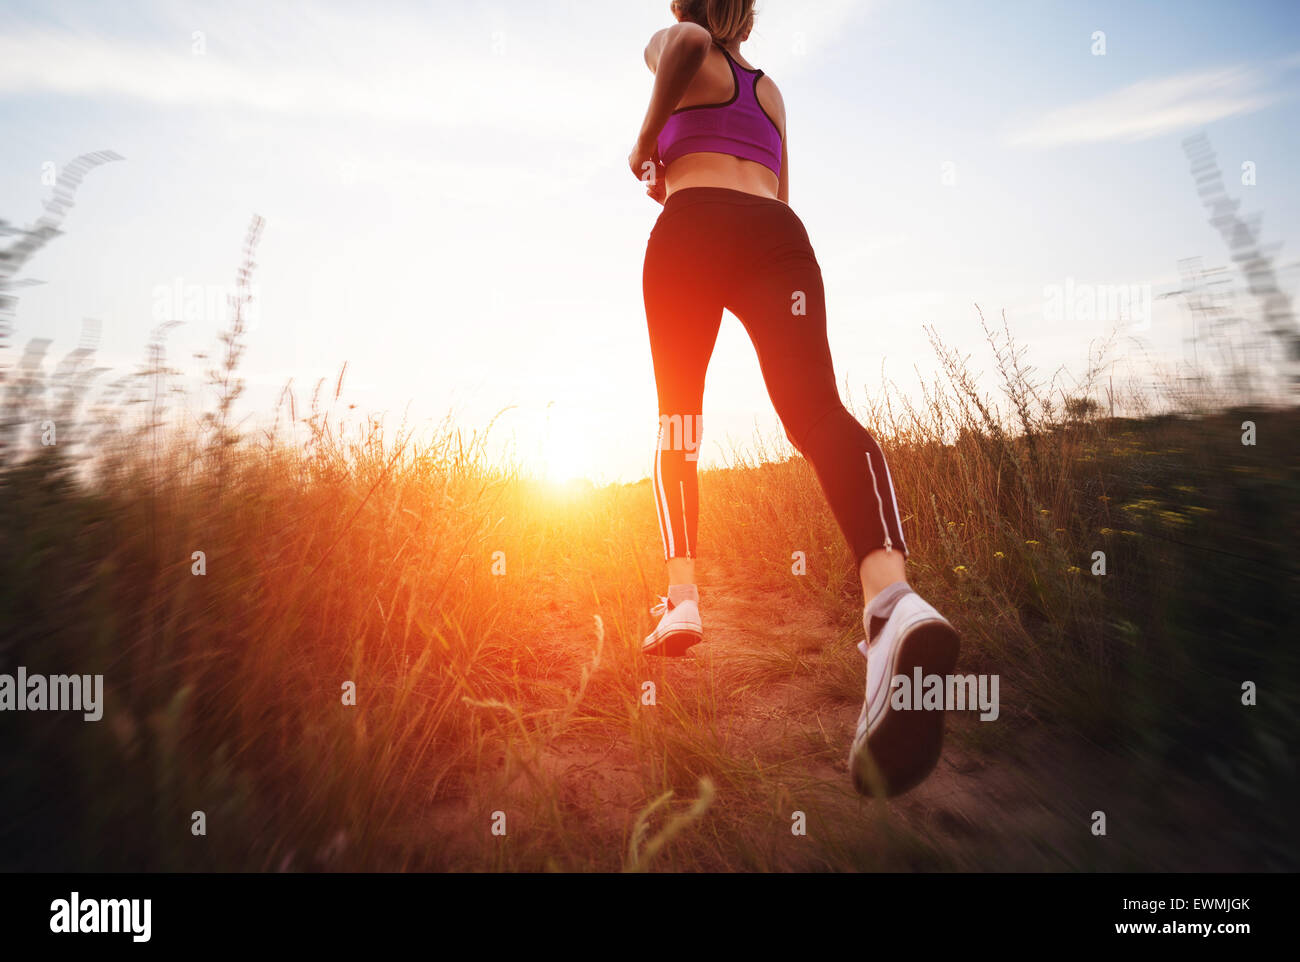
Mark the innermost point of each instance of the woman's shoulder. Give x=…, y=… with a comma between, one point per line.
x=766, y=83
x=683, y=32
x=770, y=99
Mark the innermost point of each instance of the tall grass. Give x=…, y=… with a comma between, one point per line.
x=490, y=624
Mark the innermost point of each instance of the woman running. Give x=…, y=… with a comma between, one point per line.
x=712, y=149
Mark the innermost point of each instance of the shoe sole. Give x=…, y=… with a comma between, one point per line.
x=905, y=746
x=673, y=644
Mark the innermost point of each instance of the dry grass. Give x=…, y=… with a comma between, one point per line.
x=349, y=556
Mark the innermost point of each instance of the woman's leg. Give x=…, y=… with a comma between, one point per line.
x=779, y=298
x=683, y=313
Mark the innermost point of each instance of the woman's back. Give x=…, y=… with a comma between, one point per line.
x=738, y=126
x=728, y=128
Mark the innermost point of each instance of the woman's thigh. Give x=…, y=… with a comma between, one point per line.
x=683, y=304
x=779, y=296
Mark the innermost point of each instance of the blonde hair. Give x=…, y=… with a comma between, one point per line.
x=726, y=20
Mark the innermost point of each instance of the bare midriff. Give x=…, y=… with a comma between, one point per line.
x=708, y=169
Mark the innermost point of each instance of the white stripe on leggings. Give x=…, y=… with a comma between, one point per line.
x=893, y=497
x=661, y=497
x=681, y=486
x=880, y=502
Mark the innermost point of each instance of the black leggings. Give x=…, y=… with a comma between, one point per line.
x=715, y=248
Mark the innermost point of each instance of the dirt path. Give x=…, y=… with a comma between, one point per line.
x=771, y=701
x=1024, y=803
x=785, y=690
x=818, y=704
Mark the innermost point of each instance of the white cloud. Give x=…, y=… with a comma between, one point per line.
x=1151, y=108
x=570, y=70
x=790, y=37
x=466, y=86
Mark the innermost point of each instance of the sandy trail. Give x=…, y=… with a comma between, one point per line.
x=774, y=692
x=784, y=688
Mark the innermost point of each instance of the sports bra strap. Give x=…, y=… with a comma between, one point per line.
x=738, y=126
x=732, y=60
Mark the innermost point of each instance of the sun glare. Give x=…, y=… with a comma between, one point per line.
x=564, y=458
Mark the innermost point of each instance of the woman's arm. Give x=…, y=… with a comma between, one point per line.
x=675, y=55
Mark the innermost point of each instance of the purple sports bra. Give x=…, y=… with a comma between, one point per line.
x=740, y=126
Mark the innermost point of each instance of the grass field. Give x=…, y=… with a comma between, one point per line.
x=490, y=624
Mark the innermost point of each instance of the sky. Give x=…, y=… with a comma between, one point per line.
x=448, y=206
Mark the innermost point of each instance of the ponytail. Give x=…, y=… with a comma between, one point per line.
x=726, y=20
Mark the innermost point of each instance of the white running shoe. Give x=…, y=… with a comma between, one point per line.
x=894, y=750
x=678, y=629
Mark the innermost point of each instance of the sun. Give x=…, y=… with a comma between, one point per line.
x=565, y=456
